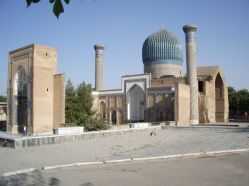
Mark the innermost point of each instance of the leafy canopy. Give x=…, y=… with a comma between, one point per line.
x=57, y=5
x=238, y=101
x=3, y=99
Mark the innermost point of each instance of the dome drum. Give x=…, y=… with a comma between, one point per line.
x=160, y=70
x=161, y=51
x=175, y=62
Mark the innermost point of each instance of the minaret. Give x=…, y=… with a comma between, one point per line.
x=99, y=50
x=189, y=31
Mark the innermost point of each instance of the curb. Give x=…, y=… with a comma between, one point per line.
x=169, y=157
x=177, y=156
x=72, y=164
x=22, y=171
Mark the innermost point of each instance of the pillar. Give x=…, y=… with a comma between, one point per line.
x=98, y=67
x=189, y=31
x=118, y=117
x=110, y=117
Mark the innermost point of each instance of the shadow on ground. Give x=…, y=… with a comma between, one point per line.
x=35, y=178
x=27, y=179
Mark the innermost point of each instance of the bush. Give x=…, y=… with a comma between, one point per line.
x=92, y=123
x=126, y=121
x=97, y=124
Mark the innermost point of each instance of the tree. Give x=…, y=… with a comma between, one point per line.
x=84, y=104
x=243, y=101
x=3, y=99
x=78, y=107
x=238, y=101
x=57, y=5
x=70, y=102
x=233, y=101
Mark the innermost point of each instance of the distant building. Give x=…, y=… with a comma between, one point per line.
x=35, y=91
x=163, y=93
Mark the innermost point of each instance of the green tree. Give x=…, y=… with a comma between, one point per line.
x=3, y=99
x=243, y=101
x=57, y=5
x=78, y=107
x=70, y=102
x=233, y=101
x=84, y=103
x=238, y=101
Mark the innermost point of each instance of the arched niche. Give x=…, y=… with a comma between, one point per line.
x=114, y=117
x=150, y=101
x=136, y=103
x=20, y=98
x=219, y=99
x=102, y=109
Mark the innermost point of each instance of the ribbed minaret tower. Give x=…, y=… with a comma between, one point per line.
x=189, y=31
x=99, y=50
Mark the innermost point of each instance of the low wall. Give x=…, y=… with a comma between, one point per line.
x=214, y=128
x=139, y=125
x=29, y=141
x=69, y=130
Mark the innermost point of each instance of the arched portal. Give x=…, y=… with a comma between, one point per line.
x=102, y=109
x=136, y=104
x=114, y=117
x=20, y=93
x=161, y=115
x=219, y=99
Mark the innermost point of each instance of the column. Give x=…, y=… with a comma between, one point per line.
x=189, y=31
x=99, y=50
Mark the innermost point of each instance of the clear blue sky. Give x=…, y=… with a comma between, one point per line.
x=122, y=26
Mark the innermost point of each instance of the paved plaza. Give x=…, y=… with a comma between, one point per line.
x=219, y=170
x=131, y=145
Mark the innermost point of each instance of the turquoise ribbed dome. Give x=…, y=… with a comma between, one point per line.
x=162, y=47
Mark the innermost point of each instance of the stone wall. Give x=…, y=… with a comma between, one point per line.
x=45, y=65
x=167, y=81
x=182, y=104
x=160, y=106
x=107, y=105
x=59, y=100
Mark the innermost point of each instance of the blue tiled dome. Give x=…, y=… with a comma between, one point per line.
x=162, y=47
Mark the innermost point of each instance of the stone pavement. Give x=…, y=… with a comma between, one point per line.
x=222, y=170
x=130, y=145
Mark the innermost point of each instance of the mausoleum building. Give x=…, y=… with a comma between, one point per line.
x=163, y=93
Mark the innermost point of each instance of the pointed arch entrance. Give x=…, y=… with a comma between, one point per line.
x=135, y=104
x=20, y=93
x=114, y=117
x=219, y=99
x=102, y=110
